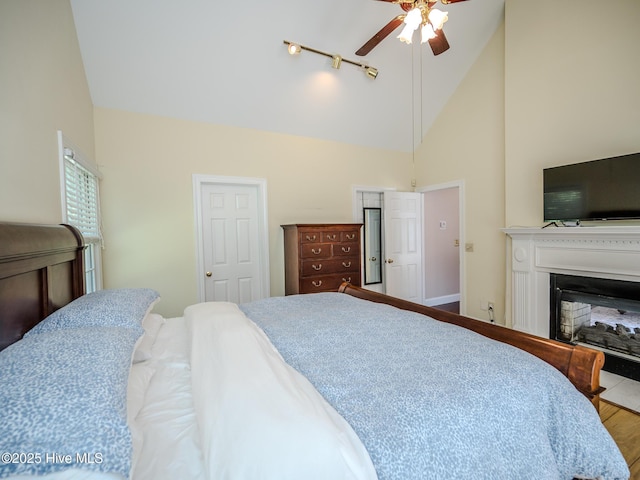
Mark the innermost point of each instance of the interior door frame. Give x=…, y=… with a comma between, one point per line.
x=358, y=217
x=260, y=184
x=461, y=219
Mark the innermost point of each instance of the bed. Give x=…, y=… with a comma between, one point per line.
x=319, y=386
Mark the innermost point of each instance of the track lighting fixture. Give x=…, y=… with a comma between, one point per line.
x=371, y=72
x=336, y=60
x=294, y=49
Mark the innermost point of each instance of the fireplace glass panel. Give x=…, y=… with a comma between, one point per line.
x=607, y=322
x=601, y=313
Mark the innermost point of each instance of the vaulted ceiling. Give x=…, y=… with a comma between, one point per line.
x=224, y=62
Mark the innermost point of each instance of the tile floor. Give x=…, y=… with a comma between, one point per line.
x=620, y=390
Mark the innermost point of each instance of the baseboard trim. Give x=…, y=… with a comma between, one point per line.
x=433, y=301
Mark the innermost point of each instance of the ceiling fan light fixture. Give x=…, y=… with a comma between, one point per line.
x=336, y=61
x=413, y=18
x=427, y=32
x=371, y=72
x=437, y=18
x=418, y=13
x=406, y=34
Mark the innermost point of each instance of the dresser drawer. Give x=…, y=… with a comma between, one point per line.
x=331, y=236
x=351, y=236
x=348, y=249
x=313, y=236
x=326, y=266
x=315, y=250
x=327, y=283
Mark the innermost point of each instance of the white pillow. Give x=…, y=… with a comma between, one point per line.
x=151, y=324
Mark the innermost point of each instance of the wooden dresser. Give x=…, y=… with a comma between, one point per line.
x=319, y=257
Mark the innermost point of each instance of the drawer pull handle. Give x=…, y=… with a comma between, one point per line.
x=331, y=237
x=316, y=284
x=311, y=238
x=314, y=251
x=347, y=279
x=351, y=236
x=346, y=249
x=316, y=267
x=346, y=264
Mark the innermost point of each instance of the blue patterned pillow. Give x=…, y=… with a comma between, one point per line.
x=124, y=307
x=63, y=402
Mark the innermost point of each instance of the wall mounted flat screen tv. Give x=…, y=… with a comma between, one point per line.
x=607, y=189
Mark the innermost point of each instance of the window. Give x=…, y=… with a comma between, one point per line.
x=81, y=207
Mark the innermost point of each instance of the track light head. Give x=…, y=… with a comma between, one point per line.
x=294, y=49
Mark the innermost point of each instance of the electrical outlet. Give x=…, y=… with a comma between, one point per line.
x=468, y=247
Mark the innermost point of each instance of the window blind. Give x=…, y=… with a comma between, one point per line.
x=81, y=197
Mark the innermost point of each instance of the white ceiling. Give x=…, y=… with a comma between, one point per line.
x=224, y=62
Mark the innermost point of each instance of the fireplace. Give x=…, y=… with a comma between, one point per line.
x=598, y=268
x=600, y=313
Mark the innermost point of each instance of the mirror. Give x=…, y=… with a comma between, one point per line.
x=372, y=245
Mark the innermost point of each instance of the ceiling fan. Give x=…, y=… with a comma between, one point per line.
x=419, y=13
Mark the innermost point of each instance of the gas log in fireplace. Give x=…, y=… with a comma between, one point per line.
x=600, y=313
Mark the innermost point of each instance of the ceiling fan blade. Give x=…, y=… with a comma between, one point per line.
x=439, y=44
x=381, y=35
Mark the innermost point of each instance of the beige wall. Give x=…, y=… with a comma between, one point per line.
x=466, y=143
x=147, y=198
x=43, y=89
x=572, y=91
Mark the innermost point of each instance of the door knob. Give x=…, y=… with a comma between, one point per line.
x=208, y=274
x=390, y=260
x=372, y=259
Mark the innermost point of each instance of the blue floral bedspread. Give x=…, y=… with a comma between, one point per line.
x=430, y=400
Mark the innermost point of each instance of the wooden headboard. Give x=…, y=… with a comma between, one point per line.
x=41, y=270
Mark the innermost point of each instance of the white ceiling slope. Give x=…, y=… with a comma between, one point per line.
x=224, y=62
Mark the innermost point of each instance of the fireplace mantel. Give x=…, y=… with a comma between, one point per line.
x=601, y=252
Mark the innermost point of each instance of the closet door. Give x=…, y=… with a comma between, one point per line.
x=233, y=262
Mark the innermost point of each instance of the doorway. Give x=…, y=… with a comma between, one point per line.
x=364, y=196
x=232, y=238
x=443, y=244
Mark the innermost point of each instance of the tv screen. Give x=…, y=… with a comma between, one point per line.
x=607, y=189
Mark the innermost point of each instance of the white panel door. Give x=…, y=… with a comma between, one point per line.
x=403, y=245
x=231, y=243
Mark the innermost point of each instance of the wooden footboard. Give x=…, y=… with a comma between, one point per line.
x=579, y=364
